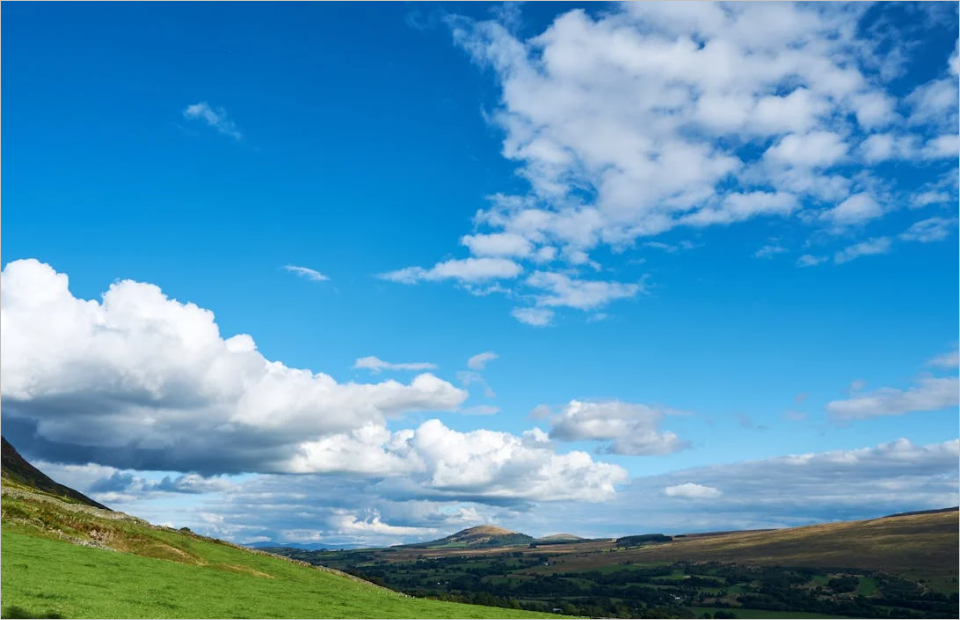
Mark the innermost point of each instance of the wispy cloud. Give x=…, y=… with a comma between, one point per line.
x=930, y=229
x=769, y=251
x=376, y=365
x=930, y=394
x=536, y=317
x=213, y=117
x=305, y=272
x=691, y=490
x=629, y=428
x=809, y=260
x=877, y=245
x=480, y=360
x=467, y=270
x=951, y=359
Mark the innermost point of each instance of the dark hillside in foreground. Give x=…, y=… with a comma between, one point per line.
x=20, y=472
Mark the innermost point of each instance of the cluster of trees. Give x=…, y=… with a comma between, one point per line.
x=642, y=539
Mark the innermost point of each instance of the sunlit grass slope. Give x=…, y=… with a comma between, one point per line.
x=68, y=560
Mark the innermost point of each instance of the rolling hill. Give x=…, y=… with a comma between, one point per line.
x=922, y=544
x=480, y=536
x=66, y=557
x=559, y=538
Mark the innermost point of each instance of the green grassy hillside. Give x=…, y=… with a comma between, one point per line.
x=64, y=559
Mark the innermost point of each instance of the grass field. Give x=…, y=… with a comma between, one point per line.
x=914, y=546
x=162, y=573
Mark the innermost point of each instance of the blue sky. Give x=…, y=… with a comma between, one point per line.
x=691, y=243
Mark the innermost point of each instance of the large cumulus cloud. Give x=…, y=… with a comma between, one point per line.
x=141, y=381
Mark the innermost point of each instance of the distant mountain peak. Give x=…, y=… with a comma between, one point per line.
x=485, y=530
x=479, y=536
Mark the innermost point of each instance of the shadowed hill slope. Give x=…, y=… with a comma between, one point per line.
x=20, y=472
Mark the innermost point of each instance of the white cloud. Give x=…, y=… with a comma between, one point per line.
x=141, y=380
x=498, y=244
x=886, y=146
x=630, y=428
x=929, y=197
x=950, y=359
x=629, y=122
x=877, y=245
x=216, y=118
x=376, y=365
x=947, y=145
x=345, y=522
x=691, y=490
x=797, y=112
x=110, y=485
x=603, y=103
x=145, y=382
x=809, y=260
x=930, y=394
x=480, y=360
x=934, y=103
x=874, y=109
x=883, y=146
x=740, y=207
x=306, y=273
x=537, y=317
x=562, y=290
x=482, y=463
x=856, y=209
x=816, y=149
x=467, y=270
x=930, y=229
x=770, y=250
